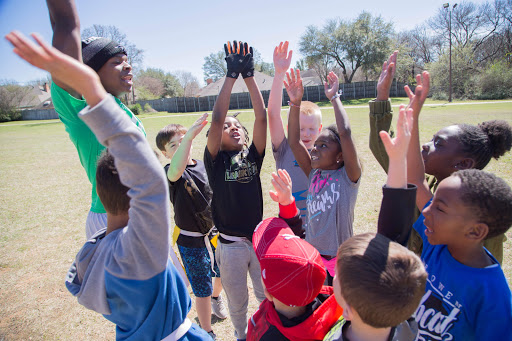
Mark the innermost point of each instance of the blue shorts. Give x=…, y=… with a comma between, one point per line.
x=199, y=269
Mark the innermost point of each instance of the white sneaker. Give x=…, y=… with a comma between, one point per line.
x=218, y=308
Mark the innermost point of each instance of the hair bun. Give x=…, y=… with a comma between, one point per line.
x=500, y=136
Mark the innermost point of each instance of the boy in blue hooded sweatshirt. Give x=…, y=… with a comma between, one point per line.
x=123, y=271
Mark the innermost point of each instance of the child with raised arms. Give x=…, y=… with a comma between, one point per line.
x=310, y=121
x=379, y=283
x=467, y=296
x=233, y=167
x=123, y=272
x=456, y=147
x=110, y=61
x=333, y=169
x=191, y=196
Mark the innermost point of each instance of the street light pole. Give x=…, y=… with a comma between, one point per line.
x=447, y=6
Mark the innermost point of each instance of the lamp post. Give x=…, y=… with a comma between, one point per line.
x=447, y=7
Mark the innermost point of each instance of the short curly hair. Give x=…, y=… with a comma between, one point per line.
x=489, y=198
x=490, y=139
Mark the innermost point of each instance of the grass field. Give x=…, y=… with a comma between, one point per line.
x=45, y=197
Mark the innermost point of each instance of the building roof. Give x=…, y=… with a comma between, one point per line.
x=39, y=97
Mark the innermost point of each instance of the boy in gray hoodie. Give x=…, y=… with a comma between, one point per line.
x=123, y=271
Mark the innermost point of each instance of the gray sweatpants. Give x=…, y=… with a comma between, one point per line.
x=234, y=260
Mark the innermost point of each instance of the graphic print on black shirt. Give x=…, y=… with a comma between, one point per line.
x=240, y=169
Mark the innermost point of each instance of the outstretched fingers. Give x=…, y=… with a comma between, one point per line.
x=37, y=55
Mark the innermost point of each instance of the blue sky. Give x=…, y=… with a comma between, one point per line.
x=177, y=35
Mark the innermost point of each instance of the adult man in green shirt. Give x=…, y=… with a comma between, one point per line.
x=110, y=61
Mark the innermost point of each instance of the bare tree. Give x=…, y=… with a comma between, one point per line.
x=188, y=82
x=12, y=95
x=322, y=65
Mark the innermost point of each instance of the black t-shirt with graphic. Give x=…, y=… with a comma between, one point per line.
x=237, y=203
x=191, y=197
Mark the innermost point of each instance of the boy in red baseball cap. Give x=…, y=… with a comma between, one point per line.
x=297, y=306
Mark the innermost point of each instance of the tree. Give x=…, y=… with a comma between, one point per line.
x=188, y=82
x=301, y=64
x=214, y=65
x=362, y=43
x=473, y=25
x=464, y=66
x=322, y=66
x=153, y=80
x=12, y=95
x=134, y=54
x=149, y=88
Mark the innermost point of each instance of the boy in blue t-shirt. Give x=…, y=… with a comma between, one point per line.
x=467, y=296
x=123, y=271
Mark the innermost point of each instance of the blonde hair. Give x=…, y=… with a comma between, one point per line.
x=309, y=109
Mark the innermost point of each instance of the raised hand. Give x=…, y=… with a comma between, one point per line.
x=237, y=58
x=396, y=147
x=416, y=100
x=283, y=187
x=198, y=125
x=386, y=77
x=282, y=57
x=62, y=67
x=248, y=70
x=331, y=86
x=294, y=87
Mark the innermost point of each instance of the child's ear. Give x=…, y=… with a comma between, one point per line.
x=466, y=163
x=348, y=312
x=339, y=158
x=477, y=231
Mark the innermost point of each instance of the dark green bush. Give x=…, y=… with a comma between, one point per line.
x=136, y=109
x=9, y=115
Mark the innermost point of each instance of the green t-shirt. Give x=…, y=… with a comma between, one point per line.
x=87, y=146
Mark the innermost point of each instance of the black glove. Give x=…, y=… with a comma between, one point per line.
x=248, y=70
x=235, y=59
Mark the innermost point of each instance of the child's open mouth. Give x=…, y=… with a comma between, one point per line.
x=428, y=230
x=128, y=79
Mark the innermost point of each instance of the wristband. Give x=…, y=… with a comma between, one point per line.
x=288, y=211
x=291, y=104
x=336, y=96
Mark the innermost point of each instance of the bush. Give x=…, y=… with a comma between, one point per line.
x=148, y=108
x=10, y=115
x=136, y=109
x=495, y=82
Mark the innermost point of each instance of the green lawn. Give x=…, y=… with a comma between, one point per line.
x=45, y=197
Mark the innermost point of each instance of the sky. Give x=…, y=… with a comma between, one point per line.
x=177, y=35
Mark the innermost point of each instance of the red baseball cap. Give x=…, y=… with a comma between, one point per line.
x=291, y=268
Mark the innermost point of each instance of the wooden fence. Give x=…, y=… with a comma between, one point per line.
x=39, y=114
x=242, y=100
